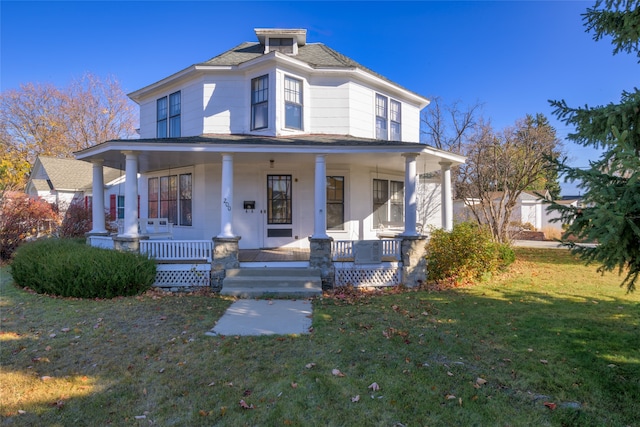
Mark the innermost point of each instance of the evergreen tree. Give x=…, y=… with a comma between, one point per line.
x=610, y=214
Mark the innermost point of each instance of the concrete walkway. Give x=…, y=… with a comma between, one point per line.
x=265, y=317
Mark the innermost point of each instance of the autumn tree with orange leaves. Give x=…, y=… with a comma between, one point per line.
x=42, y=119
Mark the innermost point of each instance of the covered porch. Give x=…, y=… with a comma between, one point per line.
x=238, y=219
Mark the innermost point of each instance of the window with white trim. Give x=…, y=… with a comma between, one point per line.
x=388, y=118
x=171, y=197
x=292, y=103
x=168, y=116
x=395, y=119
x=388, y=201
x=335, y=203
x=381, y=117
x=260, y=102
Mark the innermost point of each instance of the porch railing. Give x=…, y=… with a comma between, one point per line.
x=343, y=249
x=178, y=250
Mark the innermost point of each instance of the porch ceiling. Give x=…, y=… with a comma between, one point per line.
x=339, y=151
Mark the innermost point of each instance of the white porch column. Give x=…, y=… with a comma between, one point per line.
x=130, y=225
x=410, y=198
x=226, y=196
x=320, y=199
x=97, y=198
x=447, y=196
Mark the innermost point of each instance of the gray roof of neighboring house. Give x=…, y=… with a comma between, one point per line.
x=70, y=174
x=317, y=55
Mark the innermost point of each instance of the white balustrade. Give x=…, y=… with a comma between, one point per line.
x=178, y=250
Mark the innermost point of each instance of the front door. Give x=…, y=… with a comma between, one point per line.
x=279, y=213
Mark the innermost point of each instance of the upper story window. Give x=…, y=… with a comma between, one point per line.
x=284, y=45
x=396, y=121
x=381, y=117
x=174, y=114
x=259, y=102
x=168, y=116
x=293, y=103
x=388, y=118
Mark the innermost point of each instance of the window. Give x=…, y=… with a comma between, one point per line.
x=168, y=117
x=161, y=105
x=170, y=197
x=259, y=102
x=284, y=45
x=293, y=103
x=396, y=120
x=174, y=115
x=388, y=120
x=120, y=207
x=388, y=201
x=335, y=203
x=279, y=201
x=381, y=117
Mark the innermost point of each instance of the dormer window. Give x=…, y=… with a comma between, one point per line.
x=282, y=45
x=281, y=40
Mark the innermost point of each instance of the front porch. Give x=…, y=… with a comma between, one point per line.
x=192, y=264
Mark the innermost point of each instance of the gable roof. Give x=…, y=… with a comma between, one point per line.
x=66, y=174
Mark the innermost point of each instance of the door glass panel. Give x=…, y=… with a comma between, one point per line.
x=279, y=199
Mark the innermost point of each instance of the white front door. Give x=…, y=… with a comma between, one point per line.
x=279, y=215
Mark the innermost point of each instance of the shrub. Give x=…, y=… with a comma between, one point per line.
x=77, y=221
x=71, y=269
x=467, y=253
x=23, y=218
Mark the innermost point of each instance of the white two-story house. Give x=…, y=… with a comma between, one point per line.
x=279, y=143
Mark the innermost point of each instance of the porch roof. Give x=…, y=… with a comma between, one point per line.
x=158, y=154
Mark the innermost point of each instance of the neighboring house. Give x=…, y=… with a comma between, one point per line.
x=62, y=182
x=280, y=143
x=529, y=209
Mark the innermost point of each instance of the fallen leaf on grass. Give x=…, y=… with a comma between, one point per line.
x=374, y=387
x=247, y=393
x=550, y=405
x=244, y=405
x=449, y=373
x=294, y=385
x=21, y=411
x=212, y=383
x=355, y=398
x=450, y=396
x=337, y=373
x=45, y=378
x=544, y=361
x=203, y=413
x=310, y=365
x=481, y=381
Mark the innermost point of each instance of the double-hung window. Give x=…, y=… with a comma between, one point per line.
x=260, y=102
x=381, y=117
x=335, y=203
x=395, y=117
x=168, y=116
x=170, y=197
x=388, y=201
x=388, y=119
x=293, y=103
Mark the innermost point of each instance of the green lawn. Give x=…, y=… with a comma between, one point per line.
x=551, y=342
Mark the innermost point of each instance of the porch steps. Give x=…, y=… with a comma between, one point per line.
x=255, y=282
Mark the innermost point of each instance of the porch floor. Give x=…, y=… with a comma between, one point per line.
x=273, y=255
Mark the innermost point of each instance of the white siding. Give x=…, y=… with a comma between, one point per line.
x=329, y=105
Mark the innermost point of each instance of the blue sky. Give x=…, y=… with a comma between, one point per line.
x=512, y=56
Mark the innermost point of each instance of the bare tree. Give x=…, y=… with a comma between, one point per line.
x=447, y=126
x=501, y=165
